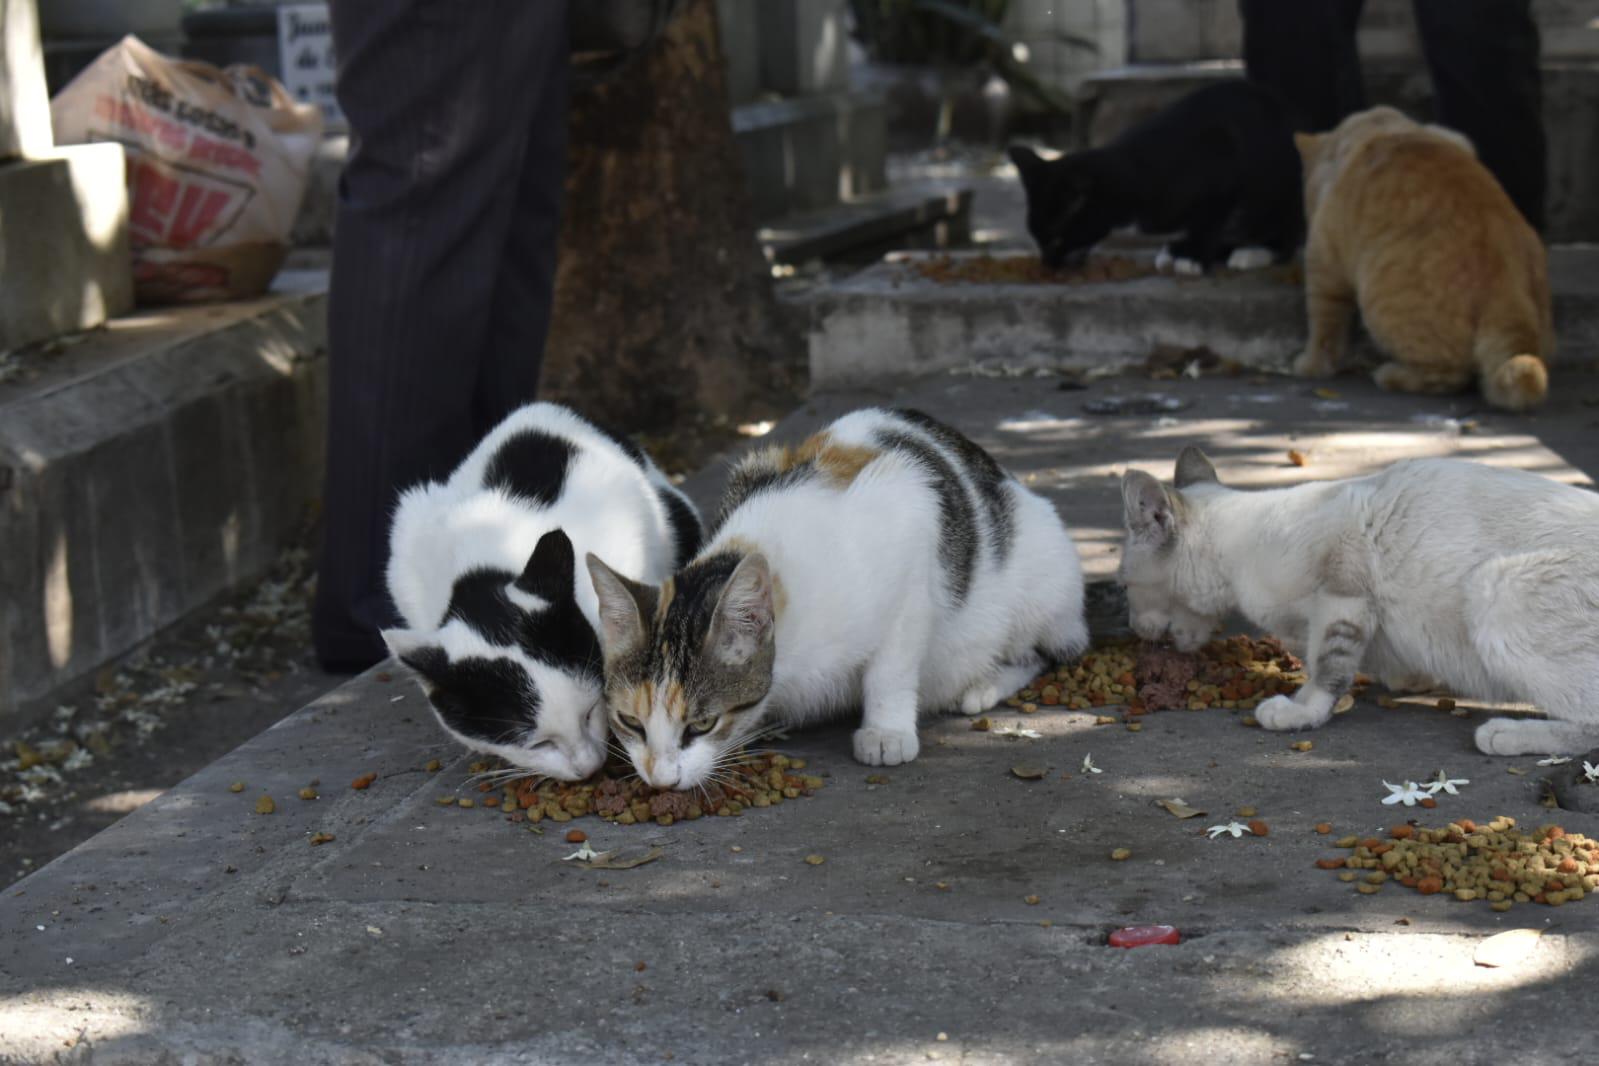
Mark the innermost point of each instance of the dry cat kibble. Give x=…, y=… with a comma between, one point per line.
x=1027, y=269
x=619, y=796
x=1493, y=862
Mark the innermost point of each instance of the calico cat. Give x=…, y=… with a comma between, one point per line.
x=887, y=562
x=482, y=568
x=1451, y=281
x=1218, y=166
x=1412, y=574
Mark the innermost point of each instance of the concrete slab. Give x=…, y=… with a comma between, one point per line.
x=931, y=214
x=198, y=929
x=148, y=467
x=64, y=260
x=891, y=320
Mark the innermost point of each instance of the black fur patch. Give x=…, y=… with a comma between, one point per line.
x=532, y=464
x=958, y=535
x=695, y=592
x=560, y=635
x=478, y=599
x=1218, y=165
x=686, y=531
x=491, y=699
x=986, y=475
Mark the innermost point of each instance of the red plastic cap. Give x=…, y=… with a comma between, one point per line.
x=1138, y=936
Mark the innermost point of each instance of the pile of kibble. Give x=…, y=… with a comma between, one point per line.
x=1493, y=862
x=1027, y=270
x=1232, y=672
x=618, y=795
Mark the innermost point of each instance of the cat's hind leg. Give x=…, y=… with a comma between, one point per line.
x=1007, y=679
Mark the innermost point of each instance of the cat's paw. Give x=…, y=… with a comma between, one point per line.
x=1531, y=736
x=1283, y=713
x=1313, y=365
x=1252, y=257
x=979, y=698
x=883, y=747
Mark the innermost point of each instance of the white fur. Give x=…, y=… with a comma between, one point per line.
x=608, y=505
x=864, y=619
x=1251, y=257
x=1166, y=262
x=1485, y=580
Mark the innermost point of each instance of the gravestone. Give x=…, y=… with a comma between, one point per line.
x=64, y=261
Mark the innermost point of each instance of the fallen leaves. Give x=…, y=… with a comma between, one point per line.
x=1177, y=808
x=1507, y=948
x=1029, y=771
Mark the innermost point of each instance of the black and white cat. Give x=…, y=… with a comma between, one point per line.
x=482, y=569
x=1218, y=167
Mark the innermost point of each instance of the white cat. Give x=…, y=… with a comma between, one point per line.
x=887, y=562
x=500, y=631
x=1483, y=580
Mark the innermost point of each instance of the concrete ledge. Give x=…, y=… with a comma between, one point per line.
x=64, y=262
x=889, y=321
x=149, y=468
x=930, y=214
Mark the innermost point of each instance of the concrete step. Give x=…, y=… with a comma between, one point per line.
x=806, y=152
x=423, y=933
x=890, y=320
x=927, y=214
x=148, y=467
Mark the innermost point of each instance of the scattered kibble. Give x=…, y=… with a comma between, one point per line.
x=466, y=801
x=237, y=786
x=1247, y=812
x=815, y=860
x=1259, y=828
x=1493, y=862
x=1302, y=745
x=308, y=793
x=1296, y=457
x=321, y=838
x=264, y=805
x=1031, y=901
x=1446, y=704
x=433, y=766
x=1027, y=270
x=1121, y=854
x=363, y=782
x=576, y=836
x=1324, y=828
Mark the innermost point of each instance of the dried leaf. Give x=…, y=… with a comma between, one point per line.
x=1178, y=809
x=1507, y=948
x=1029, y=771
x=613, y=860
x=1345, y=702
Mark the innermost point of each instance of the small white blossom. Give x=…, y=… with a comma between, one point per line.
x=79, y=758
x=1237, y=829
x=1590, y=772
x=1021, y=732
x=583, y=854
x=1444, y=783
x=1554, y=760
x=1088, y=765
x=1408, y=793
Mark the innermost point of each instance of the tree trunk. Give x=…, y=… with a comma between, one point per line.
x=664, y=310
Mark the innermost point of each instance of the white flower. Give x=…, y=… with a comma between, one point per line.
x=1020, y=732
x=1237, y=829
x=583, y=854
x=1444, y=783
x=1407, y=793
x=1088, y=765
x=1554, y=760
x=1590, y=772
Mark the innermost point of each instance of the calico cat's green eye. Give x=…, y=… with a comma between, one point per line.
x=631, y=722
x=703, y=725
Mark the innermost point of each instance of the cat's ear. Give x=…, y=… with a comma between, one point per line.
x=1193, y=468
x=621, y=610
x=550, y=569
x=1028, y=162
x=1147, y=510
x=418, y=652
x=1309, y=145
x=745, y=615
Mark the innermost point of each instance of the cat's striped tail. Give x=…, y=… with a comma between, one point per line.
x=1518, y=383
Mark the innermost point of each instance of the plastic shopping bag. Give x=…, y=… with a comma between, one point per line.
x=218, y=162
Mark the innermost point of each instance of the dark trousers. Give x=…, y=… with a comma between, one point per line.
x=443, y=265
x=1482, y=54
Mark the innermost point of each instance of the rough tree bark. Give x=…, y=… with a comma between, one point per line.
x=664, y=309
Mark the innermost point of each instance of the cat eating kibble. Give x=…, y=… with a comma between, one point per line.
x=500, y=631
x=1481, y=579
x=1218, y=167
x=886, y=563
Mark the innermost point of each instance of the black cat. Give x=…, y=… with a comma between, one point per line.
x=1218, y=167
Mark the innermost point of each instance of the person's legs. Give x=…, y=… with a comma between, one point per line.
x=440, y=96
x=519, y=320
x=1483, y=55
x=1305, y=49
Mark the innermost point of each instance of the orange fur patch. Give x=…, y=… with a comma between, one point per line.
x=1451, y=281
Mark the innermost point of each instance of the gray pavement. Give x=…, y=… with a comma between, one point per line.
x=196, y=930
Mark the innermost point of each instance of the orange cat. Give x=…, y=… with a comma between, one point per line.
x=1451, y=281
